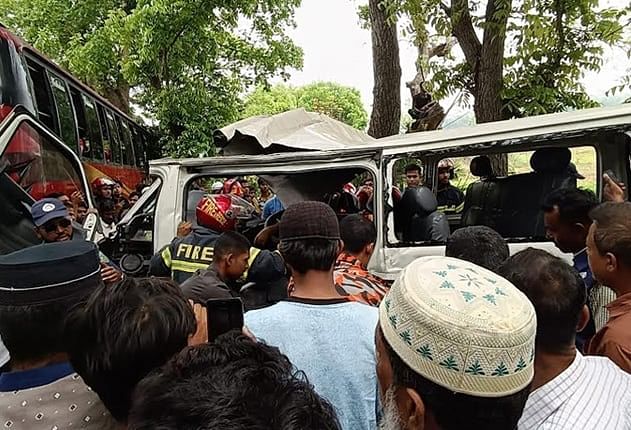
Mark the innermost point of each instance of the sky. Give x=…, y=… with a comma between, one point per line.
x=337, y=49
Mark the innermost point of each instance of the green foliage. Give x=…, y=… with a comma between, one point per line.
x=337, y=101
x=186, y=61
x=270, y=101
x=549, y=46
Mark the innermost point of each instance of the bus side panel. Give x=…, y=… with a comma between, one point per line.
x=129, y=176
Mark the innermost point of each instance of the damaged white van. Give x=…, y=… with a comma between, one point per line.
x=534, y=156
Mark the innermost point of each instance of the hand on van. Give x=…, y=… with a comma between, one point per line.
x=612, y=191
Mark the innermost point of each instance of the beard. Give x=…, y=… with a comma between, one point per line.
x=391, y=420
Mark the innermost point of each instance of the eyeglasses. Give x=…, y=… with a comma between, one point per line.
x=53, y=225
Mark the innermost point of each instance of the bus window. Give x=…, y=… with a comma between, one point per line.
x=39, y=166
x=115, y=140
x=85, y=143
x=127, y=144
x=107, y=147
x=43, y=99
x=94, y=131
x=139, y=148
x=64, y=111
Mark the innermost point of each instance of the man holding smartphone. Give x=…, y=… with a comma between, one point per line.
x=323, y=334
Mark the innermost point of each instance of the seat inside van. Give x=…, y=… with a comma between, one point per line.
x=512, y=205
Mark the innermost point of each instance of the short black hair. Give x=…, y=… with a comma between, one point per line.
x=309, y=254
x=34, y=332
x=456, y=411
x=413, y=167
x=613, y=230
x=230, y=242
x=233, y=383
x=574, y=204
x=124, y=332
x=480, y=245
x=555, y=289
x=357, y=232
x=106, y=205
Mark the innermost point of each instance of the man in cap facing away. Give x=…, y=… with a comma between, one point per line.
x=38, y=287
x=455, y=348
x=322, y=334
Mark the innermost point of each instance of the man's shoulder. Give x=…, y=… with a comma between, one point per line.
x=69, y=394
x=603, y=366
x=205, y=285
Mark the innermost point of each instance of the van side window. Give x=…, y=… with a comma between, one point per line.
x=64, y=110
x=43, y=97
x=469, y=192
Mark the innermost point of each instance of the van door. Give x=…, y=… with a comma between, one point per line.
x=33, y=164
x=296, y=176
x=596, y=140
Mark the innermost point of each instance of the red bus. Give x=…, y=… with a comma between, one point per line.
x=108, y=142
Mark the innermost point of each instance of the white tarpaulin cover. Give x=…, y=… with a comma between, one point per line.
x=295, y=130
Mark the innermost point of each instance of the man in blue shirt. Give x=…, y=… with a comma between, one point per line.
x=272, y=206
x=322, y=334
x=567, y=222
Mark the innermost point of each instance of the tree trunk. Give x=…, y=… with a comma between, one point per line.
x=119, y=97
x=486, y=61
x=386, y=110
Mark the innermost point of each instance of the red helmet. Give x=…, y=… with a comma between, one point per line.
x=349, y=188
x=216, y=213
x=101, y=182
x=233, y=186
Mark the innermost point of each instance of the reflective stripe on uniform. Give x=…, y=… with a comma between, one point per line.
x=187, y=266
x=254, y=252
x=166, y=256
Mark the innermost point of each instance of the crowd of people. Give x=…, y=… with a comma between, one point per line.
x=474, y=339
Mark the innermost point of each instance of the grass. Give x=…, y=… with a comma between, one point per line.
x=584, y=158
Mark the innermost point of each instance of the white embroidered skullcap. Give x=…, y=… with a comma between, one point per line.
x=461, y=326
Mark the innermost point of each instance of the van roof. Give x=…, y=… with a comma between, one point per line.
x=565, y=122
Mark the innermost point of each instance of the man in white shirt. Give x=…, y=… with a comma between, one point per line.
x=569, y=391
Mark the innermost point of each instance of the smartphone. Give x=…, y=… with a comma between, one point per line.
x=223, y=315
x=612, y=175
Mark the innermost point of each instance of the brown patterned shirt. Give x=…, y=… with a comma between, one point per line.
x=614, y=339
x=356, y=283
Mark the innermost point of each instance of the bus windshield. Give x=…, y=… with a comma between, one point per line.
x=39, y=165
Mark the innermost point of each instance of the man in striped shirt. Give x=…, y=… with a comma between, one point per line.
x=569, y=391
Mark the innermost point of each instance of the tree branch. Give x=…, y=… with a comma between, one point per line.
x=445, y=9
x=462, y=29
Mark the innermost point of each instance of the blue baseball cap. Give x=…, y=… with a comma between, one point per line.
x=44, y=210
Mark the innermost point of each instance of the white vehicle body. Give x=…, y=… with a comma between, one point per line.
x=607, y=130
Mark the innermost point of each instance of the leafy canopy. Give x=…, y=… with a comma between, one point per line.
x=184, y=62
x=549, y=45
x=337, y=101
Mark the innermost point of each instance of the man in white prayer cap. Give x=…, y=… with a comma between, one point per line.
x=455, y=348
